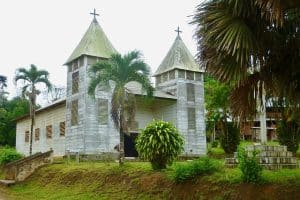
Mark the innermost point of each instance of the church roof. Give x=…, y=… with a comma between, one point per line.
x=178, y=57
x=94, y=43
x=136, y=88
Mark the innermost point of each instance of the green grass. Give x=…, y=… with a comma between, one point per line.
x=135, y=180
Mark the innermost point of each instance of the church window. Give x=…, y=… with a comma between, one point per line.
x=49, y=131
x=198, y=77
x=37, y=134
x=172, y=75
x=62, y=128
x=181, y=74
x=75, y=65
x=190, y=91
x=191, y=118
x=103, y=111
x=190, y=75
x=75, y=82
x=165, y=77
x=26, y=136
x=81, y=61
x=74, y=113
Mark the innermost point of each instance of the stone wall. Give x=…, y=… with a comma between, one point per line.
x=270, y=157
x=19, y=170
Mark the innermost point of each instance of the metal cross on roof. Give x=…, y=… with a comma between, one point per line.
x=178, y=31
x=94, y=13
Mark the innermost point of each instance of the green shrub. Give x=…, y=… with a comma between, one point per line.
x=249, y=165
x=190, y=170
x=289, y=134
x=160, y=143
x=8, y=154
x=230, y=138
x=214, y=144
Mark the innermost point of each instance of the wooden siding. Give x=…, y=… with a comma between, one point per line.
x=52, y=117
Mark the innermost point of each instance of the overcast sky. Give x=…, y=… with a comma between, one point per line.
x=46, y=32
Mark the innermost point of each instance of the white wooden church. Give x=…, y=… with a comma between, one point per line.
x=82, y=124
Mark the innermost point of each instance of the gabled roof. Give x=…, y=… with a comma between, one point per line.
x=178, y=57
x=93, y=43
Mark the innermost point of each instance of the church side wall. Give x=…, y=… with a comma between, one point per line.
x=48, y=117
x=166, y=110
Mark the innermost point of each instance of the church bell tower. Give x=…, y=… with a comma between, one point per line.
x=181, y=76
x=89, y=129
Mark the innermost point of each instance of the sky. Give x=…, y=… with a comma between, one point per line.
x=46, y=32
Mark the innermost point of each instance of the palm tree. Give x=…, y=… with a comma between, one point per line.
x=121, y=70
x=31, y=78
x=253, y=44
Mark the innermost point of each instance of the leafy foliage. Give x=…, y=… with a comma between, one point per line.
x=9, y=111
x=216, y=104
x=160, y=143
x=251, y=170
x=289, y=134
x=252, y=44
x=214, y=144
x=190, y=170
x=8, y=154
x=121, y=70
x=230, y=138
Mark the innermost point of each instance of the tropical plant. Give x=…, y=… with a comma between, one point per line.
x=3, y=81
x=253, y=44
x=190, y=170
x=8, y=154
x=288, y=131
x=216, y=105
x=230, y=137
x=32, y=78
x=249, y=165
x=3, y=85
x=160, y=143
x=121, y=70
x=9, y=111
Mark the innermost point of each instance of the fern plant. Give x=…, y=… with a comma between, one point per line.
x=160, y=143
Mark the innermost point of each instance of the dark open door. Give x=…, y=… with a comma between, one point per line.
x=129, y=145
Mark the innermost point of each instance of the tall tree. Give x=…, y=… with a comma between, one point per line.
x=121, y=70
x=3, y=81
x=32, y=78
x=9, y=111
x=3, y=85
x=216, y=104
x=255, y=44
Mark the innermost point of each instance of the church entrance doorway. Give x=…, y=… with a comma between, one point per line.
x=129, y=145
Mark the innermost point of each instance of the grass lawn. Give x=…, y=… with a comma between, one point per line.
x=136, y=180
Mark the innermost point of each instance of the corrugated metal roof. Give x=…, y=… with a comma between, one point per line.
x=93, y=43
x=178, y=57
x=136, y=88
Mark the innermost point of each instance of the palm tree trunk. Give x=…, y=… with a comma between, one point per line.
x=122, y=152
x=31, y=133
x=32, y=108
